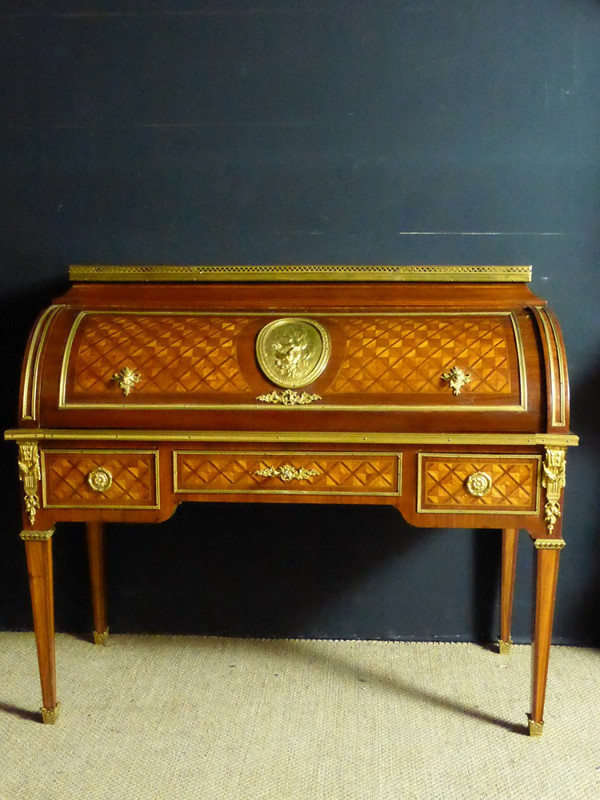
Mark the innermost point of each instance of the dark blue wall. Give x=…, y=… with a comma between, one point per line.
x=415, y=131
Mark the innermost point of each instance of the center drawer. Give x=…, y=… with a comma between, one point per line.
x=218, y=472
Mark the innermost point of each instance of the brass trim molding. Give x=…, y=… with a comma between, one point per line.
x=62, y=388
x=520, y=358
x=551, y=334
x=298, y=272
x=32, y=367
x=549, y=544
x=36, y=536
x=30, y=475
x=307, y=437
x=553, y=481
x=256, y=406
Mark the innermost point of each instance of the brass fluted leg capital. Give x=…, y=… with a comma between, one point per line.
x=549, y=544
x=36, y=536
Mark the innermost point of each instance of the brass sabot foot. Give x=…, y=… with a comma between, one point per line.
x=100, y=638
x=504, y=647
x=50, y=715
x=535, y=728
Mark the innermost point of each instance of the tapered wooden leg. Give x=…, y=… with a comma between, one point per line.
x=95, y=539
x=38, y=549
x=548, y=556
x=510, y=539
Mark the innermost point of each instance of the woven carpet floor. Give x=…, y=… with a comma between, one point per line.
x=178, y=718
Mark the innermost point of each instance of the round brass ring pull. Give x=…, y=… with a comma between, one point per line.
x=100, y=479
x=479, y=484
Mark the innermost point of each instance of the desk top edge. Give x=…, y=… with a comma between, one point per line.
x=566, y=439
x=298, y=272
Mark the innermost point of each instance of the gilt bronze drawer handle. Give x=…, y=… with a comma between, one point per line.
x=100, y=479
x=127, y=379
x=457, y=378
x=287, y=473
x=479, y=484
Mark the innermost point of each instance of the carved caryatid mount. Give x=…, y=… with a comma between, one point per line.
x=553, y=481
x=30, y=475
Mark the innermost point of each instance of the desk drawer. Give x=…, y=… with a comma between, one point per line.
x=211, y=472
x=100, y=478
x=478, y=483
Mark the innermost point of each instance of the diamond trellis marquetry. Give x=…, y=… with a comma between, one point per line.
x=408, y=354
x=220, y=472
x=66, y=480
x=172, y=353
x=444, y=484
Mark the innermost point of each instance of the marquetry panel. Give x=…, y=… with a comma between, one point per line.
x=130, y=477
x=450, y=482
x=408, y=354
x=173, y=353
x=172, y=359
x=289, y=473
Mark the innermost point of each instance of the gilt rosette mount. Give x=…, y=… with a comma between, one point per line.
x=292, y=352
x=479, y=484
x=99, y=479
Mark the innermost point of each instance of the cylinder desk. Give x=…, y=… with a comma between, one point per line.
x=441, y=391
